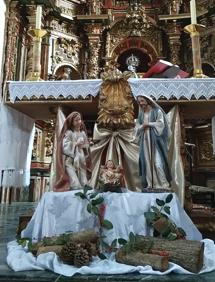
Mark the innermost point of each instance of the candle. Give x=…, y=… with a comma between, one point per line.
x=38, y=17
x=193, y=11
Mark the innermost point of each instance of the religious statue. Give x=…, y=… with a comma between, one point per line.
x=73, y=156
x=65, y=74
x=111, y=177
x=153, y=132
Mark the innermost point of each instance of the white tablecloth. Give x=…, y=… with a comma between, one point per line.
x=58, y=213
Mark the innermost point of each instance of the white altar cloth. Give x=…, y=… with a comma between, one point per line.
x=60, y=212
x=185, y=88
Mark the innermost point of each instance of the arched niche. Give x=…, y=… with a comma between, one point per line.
x=66, y=72
x=140, y=48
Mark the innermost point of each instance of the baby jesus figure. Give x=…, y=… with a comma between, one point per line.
x=111, y=177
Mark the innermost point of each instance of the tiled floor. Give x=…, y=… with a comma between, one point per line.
x=9, y=216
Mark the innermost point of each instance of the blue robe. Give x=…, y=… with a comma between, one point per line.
x=158, y=147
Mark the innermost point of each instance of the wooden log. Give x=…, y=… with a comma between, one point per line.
x=82, y=237
x=186, y=253
x=138, y=258
x=45, y=249
x=85, y=236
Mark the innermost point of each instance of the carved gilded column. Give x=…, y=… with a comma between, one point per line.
x=108, y=44
x=94, y=31
x=174, y=34
x=31, y=10
x=11, y=42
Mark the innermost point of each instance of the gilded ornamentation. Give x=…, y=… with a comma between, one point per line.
x=93, y=67
x=174, y=7
x=67, y=7
x=94, y=30
x=31, y=18
x=136, y=22
x=48, y=144
x=206, y=151
x=115, y=101
x=11, y=45
x=136, y=26
x=66, y=51
x=61, y=27
x=94, y=7
x=174, y=42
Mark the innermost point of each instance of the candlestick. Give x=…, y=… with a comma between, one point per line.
x=193, y=12
x=194, y=31
x=38, y=17
x=37, y=35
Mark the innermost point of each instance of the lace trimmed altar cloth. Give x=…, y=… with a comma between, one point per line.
x=158, y=88
x=57, y=213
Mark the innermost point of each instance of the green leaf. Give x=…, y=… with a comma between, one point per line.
x=95, y=210
x=160, y=203
x=89, y=208
x=97, y=201
x=80, y=194
x=122, y=241
x=102, y=256
x=113, y=244
x=107, y=224
x=93, y=195
x=132, y=237
x=171, y=236
x=87, y=188
x=127, y=248
x=150, y=217
x=169, y=198
x=155, y=209
x=167, y=209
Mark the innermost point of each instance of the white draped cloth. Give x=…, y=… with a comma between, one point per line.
x=60, y=212
x=125, y=211
x=16, y=143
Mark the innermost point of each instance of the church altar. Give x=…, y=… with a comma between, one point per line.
x=187, y=88
x=57, y=213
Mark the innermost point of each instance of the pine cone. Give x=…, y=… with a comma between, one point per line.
x=68, y=252
x=82, y=257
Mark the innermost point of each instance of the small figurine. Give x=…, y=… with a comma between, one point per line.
x=65, y=74
x=111, y=177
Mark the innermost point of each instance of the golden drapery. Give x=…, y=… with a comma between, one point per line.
x=174, y=154
x=120, y=147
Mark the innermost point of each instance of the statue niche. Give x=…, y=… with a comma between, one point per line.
x=66, y=72
x=116, y=109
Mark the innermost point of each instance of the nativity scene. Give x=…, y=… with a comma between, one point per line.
x=112, y=186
